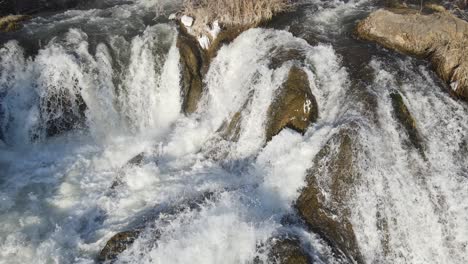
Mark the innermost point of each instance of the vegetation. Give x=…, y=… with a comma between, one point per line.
x=235, y=12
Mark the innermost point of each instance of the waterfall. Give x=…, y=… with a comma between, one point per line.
x=94, y=142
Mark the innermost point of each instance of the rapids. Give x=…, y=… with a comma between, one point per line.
x=58, y=159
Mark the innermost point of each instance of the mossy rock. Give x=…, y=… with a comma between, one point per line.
x=116, y=245
x=404, y=117
x=294, y=107
x=328, y=215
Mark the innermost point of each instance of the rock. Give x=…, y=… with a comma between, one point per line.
x=440, y=36
x=186, y=21
x=294, y=107
x=191, y=62
x=322, y=204
x=405, y=118
x=195, y=62
x=288, y=251
x=64, y=113
x=117, y=244
x=12, y=23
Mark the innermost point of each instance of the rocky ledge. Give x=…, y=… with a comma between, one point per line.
x=438, y=35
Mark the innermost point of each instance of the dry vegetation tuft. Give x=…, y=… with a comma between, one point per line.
x=235, y=12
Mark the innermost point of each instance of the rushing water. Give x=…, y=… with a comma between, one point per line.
x=56, y=200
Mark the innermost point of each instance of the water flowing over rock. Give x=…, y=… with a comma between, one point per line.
x=195, y=61
x=440, y=36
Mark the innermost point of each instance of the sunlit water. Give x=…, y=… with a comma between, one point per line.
x=56, y=200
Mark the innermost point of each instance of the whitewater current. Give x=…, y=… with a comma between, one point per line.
x=67, y=186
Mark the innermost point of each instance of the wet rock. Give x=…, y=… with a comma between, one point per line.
x=288, y=251
x=405, y=118
x=294, y=107
x=12, y=23
x=439, y=36
x=123, y=240
x=323, y=202
x=117, y=244
x=63, y=113
x=195, y=61
x=191, y=61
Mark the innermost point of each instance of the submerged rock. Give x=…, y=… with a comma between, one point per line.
x=440, y=36
x=405, y=118
x=323, y=202
x=294, y=107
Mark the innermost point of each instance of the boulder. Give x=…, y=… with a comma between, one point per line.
x=117, y=244
x=287, y=251
x=12, y=22
x=294, y=107
x=439, y=36
x=322, y=204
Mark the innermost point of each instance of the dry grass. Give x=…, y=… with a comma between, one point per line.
x=235, y=12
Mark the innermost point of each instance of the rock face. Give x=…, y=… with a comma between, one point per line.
x=323, y=202
x=440, y=36
x=295, y=107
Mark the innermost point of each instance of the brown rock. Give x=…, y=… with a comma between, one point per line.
x=440, y=36
x=323, y=202
x=288, y=251
x=191, y=62
x=294, y=107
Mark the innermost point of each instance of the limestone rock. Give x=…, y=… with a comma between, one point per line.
x=294, y=107
x=440, y=36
